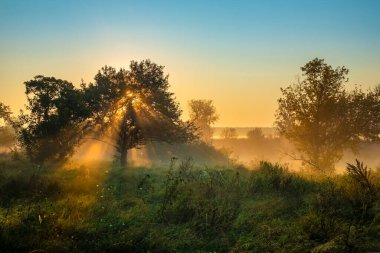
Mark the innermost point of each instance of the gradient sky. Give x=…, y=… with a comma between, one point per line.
x=237, y=53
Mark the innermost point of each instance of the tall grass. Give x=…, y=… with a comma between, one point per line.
x=186, y=208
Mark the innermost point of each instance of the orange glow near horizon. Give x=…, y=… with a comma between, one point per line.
x=252, y=106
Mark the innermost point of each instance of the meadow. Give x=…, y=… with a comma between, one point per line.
x=185, y=207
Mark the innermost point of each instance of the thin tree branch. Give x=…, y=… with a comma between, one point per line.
x=300, y=159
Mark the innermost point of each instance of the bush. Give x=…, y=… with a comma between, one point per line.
x=343, y=215
x=275, y=178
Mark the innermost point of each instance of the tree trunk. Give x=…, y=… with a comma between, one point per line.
x=123, y=157
x=123, y=142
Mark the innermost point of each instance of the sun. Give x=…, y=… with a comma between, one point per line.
x=130, y=93
x=136, y=101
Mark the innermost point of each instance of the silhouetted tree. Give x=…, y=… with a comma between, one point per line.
x=5, y=112
x=320, y=117
x=256, y=134
x=365, y=109
x=56, y=120
x=373, y=133
x=134, y=106
x=7, y=135
x=229, y=133
x=203, y=115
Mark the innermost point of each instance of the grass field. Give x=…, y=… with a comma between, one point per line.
x=184, y=208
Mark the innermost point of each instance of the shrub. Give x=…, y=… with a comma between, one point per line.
x=269, y=178
x=343, y=215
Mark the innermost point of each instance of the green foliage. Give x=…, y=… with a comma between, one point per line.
x=183, y=208
x=362, y=175
x=130, y=107
x=56, y=120
x=361, y=191
x=275, y=178
x=368, y=118
x=207, y=200
x=321, y=118
x=7, y=135
x=201, y=152
x=134, y=106
x=343, y=215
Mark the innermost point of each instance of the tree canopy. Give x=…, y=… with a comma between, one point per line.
x=134, y=106
x=203, y=115
x=56, y=120
x=126, y=107
x=6, y=132
x=255, y=134
x=5, y=112
x=322, y=118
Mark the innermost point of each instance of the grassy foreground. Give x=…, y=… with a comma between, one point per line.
x=185, y=209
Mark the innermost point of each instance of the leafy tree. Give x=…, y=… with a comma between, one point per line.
x=134, y=106
x=129, y=106
x=373, y=132
x=203, y=115
x=365, y=109
x=318, y=115
x=229, y=133
x=56, y=120
x=6, y=132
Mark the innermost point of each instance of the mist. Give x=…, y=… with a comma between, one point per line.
x=189, y=126
x=276, y=149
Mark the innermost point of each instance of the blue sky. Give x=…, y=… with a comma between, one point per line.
x=238, y=53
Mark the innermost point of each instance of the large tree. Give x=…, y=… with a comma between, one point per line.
x=203, y=115
x=130, y=107
x=134, y=106
x=321, y=118
x=56, y=119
